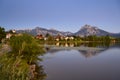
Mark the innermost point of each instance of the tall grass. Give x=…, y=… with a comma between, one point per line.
x=15, y=65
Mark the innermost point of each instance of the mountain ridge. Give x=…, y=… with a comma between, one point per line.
x=85, y=30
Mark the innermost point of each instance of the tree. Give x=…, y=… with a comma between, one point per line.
x=2, y=33
x=47, y=35
x=107, y=38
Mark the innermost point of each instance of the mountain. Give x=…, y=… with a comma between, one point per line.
x=88, y=30
x=85, y=30
x=43, y=31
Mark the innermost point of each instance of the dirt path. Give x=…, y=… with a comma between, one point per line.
x=5, y=48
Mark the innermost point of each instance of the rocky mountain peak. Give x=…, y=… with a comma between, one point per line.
x=85, y=30
x=86, y=26
x=89, y=27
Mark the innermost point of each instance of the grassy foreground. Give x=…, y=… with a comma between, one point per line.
x=21, y=62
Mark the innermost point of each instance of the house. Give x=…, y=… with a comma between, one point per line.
x=40, y=36
x=69, y=38
x=66, y=38
x=58, y=37
x=13, y=31
x=10, y=34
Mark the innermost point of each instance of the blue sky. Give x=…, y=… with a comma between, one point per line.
x=63, y=15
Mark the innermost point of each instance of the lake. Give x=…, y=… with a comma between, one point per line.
x=71, y=64
x=64, y=61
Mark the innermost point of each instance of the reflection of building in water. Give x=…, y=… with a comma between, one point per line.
x=65, y=44
x=85, y=51
x=71, y=44
x=57, y=44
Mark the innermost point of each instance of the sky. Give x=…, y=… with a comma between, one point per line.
x=63, y=15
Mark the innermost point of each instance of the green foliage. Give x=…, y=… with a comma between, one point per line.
x=2, y=33
x=96, y=38
x=10, y=31
x=47, y=35
x=16, y=68
x=25, y=44
x=13, y=68
x=117, y=39
x=50, y=38
x=16, y=64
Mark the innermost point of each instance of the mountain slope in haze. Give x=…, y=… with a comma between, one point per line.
x=85, y=30
x=88, y=30
x=43, y=31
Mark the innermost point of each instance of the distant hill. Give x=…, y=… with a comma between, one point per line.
x=88, y=30
x=85, y=30
x=43, y=31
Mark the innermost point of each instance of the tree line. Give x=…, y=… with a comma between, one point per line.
x=2, y=33
x=49, y=37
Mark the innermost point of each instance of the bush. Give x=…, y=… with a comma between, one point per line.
x=25, y=44
x=16, y=65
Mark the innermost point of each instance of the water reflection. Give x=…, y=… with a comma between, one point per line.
x=90, y=53
x=88, y=44
x=92, y=64
x=28, y=66
x=86, y=49
x=21, y=67
x=85, y=53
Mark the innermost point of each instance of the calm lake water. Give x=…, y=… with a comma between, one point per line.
x=64, y=61
x=83, y=64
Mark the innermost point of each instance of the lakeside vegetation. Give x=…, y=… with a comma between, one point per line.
x=2, y=33
x=21, y=62
x=21, y=42
x=73, y=38
x=59, y=38
x=77, y=40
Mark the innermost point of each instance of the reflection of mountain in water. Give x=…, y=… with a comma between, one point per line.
x=90, y=53
x=86, y=51
x=117, y=45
